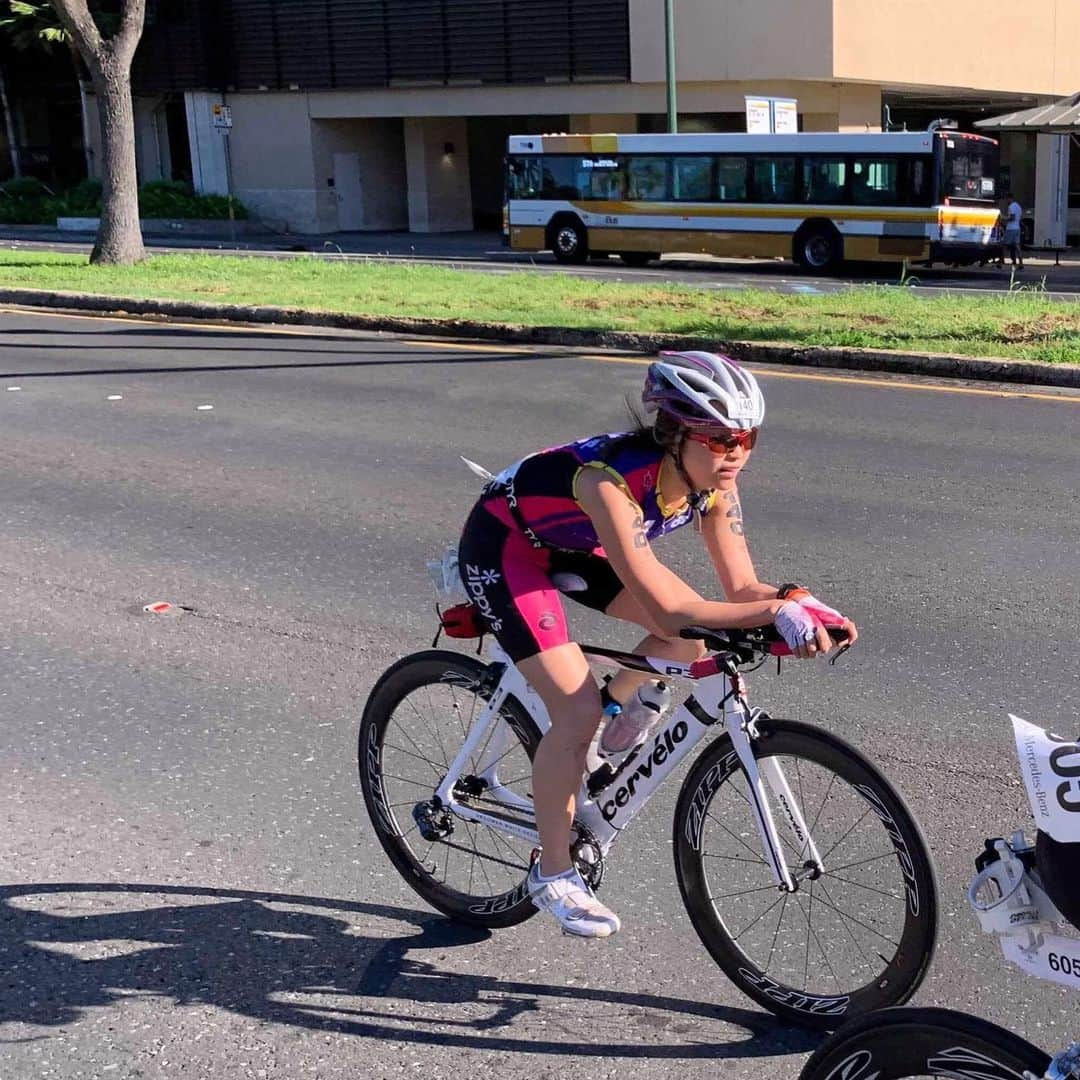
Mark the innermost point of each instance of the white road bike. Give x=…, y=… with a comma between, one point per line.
x=803, y=872
x=1011, y=895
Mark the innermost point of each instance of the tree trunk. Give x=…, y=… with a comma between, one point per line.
x=119, y=238
x=9, y=127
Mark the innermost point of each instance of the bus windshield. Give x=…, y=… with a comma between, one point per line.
x=971, y=170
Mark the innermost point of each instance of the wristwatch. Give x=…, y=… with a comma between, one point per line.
x=786, y=590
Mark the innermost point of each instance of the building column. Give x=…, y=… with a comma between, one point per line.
x=1051, y=190
x=437, y=174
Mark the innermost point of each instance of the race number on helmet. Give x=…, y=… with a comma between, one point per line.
x=704, y=390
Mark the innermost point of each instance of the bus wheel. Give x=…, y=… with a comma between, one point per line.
x=638, y=258
x=569, y=242
x=818, y=247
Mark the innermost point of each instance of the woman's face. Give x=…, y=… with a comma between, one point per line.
x=713, y=466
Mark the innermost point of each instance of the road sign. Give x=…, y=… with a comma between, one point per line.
x=222, y=116
x=769, y=115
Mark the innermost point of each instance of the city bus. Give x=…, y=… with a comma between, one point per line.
x=819, y=199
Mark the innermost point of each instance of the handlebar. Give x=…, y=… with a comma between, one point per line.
x=748, y=645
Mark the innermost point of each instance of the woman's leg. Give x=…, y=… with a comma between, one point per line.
x=657, y=643
x=562, y=678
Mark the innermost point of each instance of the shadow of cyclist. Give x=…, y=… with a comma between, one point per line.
x=67, y=947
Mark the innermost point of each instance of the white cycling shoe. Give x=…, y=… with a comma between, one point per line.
x=572, y=902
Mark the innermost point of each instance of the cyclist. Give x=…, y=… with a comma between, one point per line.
x=581, y=518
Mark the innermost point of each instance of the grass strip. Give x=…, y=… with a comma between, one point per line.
x=1025, y=324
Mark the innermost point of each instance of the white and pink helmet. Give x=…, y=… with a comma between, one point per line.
x=703, y=390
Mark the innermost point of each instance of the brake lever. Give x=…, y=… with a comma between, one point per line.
x=839, y=652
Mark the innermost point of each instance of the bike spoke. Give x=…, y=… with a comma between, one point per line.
x=735, y=937
x=406, y=780
x=741, y=892
x=847, y=834
x=412, y=741
x=436, y=726
x=817, y=941
x=738, y=839
x=734, y=858
x=776, y=932
x=854, y=939
x=824, y=800
x=858, y=922
x=868, y=888
x=863, y=862
x=409, y=753
x=809, y=922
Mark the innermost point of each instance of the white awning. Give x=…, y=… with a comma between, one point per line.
x=1059, y=118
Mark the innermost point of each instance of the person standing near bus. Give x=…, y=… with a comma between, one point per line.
x=1013, y=215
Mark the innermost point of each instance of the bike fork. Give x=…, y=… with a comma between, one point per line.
x=740, y=726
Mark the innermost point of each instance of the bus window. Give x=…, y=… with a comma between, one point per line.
x=559, y=178
x=731, y=179
x=971, y=169
x=523, y=178
x=691, y=179
x=602, y=178
x=774, y=179
x=647, y=178
x=874, y=182
x=824, y=180
x=920, y=189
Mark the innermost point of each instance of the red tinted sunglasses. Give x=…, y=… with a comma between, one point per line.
x=725, y=443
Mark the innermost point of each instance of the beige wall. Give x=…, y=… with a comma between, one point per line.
x=272, y=159
x=381, y=147
x=604, y=123
x=734, y=39
x=1031, y=47
x=440, y=197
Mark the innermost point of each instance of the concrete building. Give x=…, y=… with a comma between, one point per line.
x=356, y=114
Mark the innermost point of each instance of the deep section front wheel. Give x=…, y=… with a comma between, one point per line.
x=416, y=720
x=859, y=932
x=898, y=1043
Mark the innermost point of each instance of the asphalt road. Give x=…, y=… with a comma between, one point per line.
x=484, y=253
x=189, y=883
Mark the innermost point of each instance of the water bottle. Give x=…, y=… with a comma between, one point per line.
x=631, y=726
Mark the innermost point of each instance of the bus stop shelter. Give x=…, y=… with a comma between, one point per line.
x=1057, y=126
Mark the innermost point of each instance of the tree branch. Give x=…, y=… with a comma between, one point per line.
x=79, y=23
x=131, y=25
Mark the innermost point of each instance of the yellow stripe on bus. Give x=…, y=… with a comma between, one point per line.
x=798, y=211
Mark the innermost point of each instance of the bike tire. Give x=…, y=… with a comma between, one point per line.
x=898, y=1043
x=491, y=892
x=769, y=971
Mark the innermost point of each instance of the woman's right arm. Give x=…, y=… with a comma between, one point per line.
x=621, y=530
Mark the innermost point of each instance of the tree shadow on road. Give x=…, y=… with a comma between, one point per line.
x=290, y=960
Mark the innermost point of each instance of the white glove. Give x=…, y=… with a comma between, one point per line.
x=796, y=625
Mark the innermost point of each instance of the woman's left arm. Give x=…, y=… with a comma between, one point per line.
x=725, y=539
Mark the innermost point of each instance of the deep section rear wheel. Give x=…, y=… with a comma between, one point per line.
x=859, y=932
x=416, y=720
x=899, y=1043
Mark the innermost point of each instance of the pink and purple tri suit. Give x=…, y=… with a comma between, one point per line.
x=528, y=537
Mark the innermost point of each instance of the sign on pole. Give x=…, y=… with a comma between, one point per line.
x=785, y=115
x=769, y=115
x=222, y=116
x=758, y=116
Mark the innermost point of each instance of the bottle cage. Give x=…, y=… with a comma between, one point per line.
x=1005, y=894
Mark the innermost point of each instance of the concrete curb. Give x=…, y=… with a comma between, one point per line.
x=942, y=365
